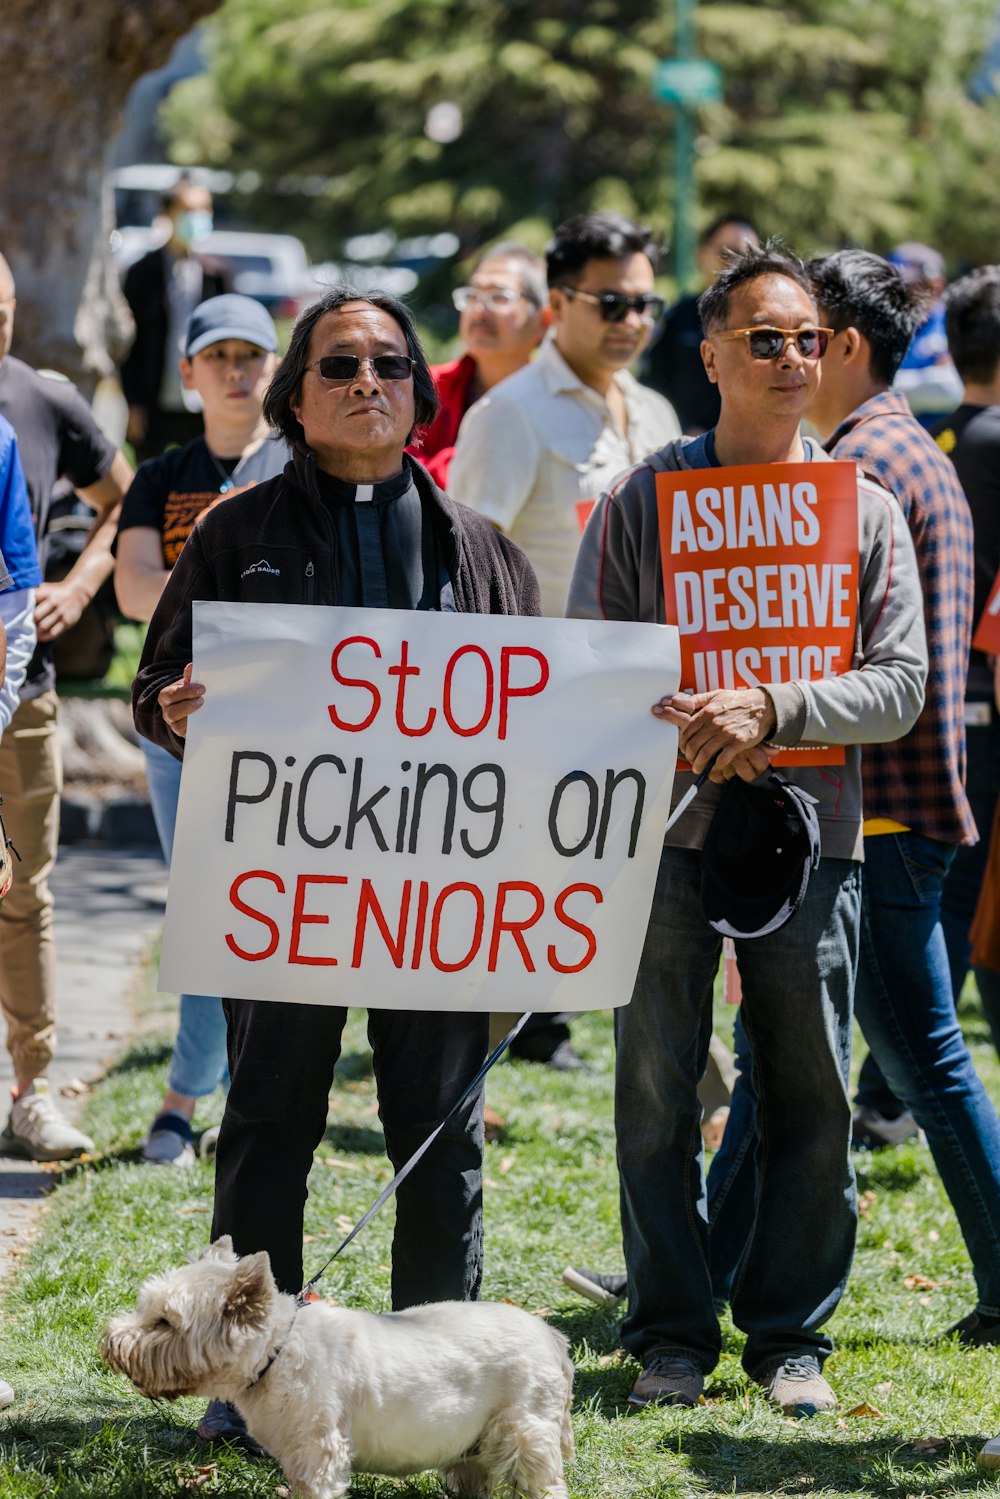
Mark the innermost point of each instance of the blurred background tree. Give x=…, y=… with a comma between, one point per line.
x=852, y=123
x=67, y=71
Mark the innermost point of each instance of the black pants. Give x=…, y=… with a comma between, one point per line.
x=281, y=1061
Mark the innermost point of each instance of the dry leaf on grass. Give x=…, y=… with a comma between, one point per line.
x=75, y=1088
x=864, y=1409
x=865, y=1202
x=928, y=1444
x=196, y=1478
x=337, y=1165
x=344, y=1223
x=495, y=1124
x=186, y=1212
x=506, y=1164
x=610, y=1360
x=920, y=1283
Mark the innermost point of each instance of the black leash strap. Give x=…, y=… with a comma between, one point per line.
x=420, y=1152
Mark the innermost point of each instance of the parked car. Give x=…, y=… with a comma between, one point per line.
x=271, y=268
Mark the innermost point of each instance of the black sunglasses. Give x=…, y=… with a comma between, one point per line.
x=614, y=306
x=339, y=369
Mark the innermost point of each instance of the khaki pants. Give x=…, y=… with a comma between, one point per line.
x=30, y=783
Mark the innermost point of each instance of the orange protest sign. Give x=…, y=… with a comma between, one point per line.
x=760, y=573
x=987, y=636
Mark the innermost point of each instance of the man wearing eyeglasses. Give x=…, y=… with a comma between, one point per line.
x=536, y=451
x=503, y=314
x=353, y=521
x=763, y=346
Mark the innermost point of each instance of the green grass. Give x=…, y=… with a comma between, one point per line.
x=78, y=1430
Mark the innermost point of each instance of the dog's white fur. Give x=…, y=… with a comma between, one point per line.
x=478, y=1390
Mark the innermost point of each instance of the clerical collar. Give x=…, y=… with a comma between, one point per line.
x=345, y=493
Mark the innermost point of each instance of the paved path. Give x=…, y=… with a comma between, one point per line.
x=109, y=907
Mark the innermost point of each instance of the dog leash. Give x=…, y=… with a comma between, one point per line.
x=691, y=793
x=404, y=1170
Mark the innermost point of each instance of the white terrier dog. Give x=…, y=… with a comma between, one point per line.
x=479, y=1390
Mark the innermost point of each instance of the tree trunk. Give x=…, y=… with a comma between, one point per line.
x=68, y=66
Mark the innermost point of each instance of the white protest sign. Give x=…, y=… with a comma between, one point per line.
x=421, y=811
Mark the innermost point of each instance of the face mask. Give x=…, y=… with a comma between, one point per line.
x=192, y=226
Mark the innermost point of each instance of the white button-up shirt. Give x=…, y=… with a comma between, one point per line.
x=535, y=453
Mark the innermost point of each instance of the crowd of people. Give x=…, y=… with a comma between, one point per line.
x=521, y=478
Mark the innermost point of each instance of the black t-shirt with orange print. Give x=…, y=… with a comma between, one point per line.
x=170, y=492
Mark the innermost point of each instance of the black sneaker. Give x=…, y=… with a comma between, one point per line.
x=974, y=1331
x=565, y=1059
x=223, y=1423
x=668, y=1379
x=606, y=1290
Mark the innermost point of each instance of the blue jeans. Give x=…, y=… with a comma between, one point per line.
x=959, y=896
x=906, y=1011
x=797, y=987
x=199, y=1061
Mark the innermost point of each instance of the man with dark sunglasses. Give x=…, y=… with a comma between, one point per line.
x=352, y=520
x=762, y=348
x=536, y=451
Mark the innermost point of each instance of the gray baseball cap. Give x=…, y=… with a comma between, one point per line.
x=230, y=316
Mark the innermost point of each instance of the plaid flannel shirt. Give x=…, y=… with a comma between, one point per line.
x=919, y=780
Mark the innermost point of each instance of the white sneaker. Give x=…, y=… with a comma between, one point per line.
x=6, y=1395
x=37, y=1129
x=209, y=1142
x=169, y=1141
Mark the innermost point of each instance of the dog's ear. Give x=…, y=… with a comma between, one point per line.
x=250, y=1292
x=221, y=1249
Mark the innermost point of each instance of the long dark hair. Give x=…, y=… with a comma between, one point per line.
x=287, y=382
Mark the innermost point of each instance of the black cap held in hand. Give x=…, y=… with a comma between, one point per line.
x=761, y=847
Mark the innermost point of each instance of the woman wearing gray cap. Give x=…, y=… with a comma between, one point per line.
x=230, y=353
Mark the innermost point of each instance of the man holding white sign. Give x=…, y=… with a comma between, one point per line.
x=788, y=530
x=351, y=521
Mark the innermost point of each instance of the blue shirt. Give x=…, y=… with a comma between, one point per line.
x=17, y=531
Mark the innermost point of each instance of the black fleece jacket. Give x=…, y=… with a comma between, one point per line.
x=275, y=544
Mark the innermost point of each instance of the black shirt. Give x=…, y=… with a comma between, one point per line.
x=674, y=367
x=386, y=555
x=971, y=438
x=57, y=438
x=170, y=492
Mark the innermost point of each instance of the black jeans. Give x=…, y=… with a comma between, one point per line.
x=281, y=1061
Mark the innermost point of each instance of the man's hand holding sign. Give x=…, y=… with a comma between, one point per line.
x=726, y=727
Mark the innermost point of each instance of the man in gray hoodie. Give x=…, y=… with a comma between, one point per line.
x=798, y=981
